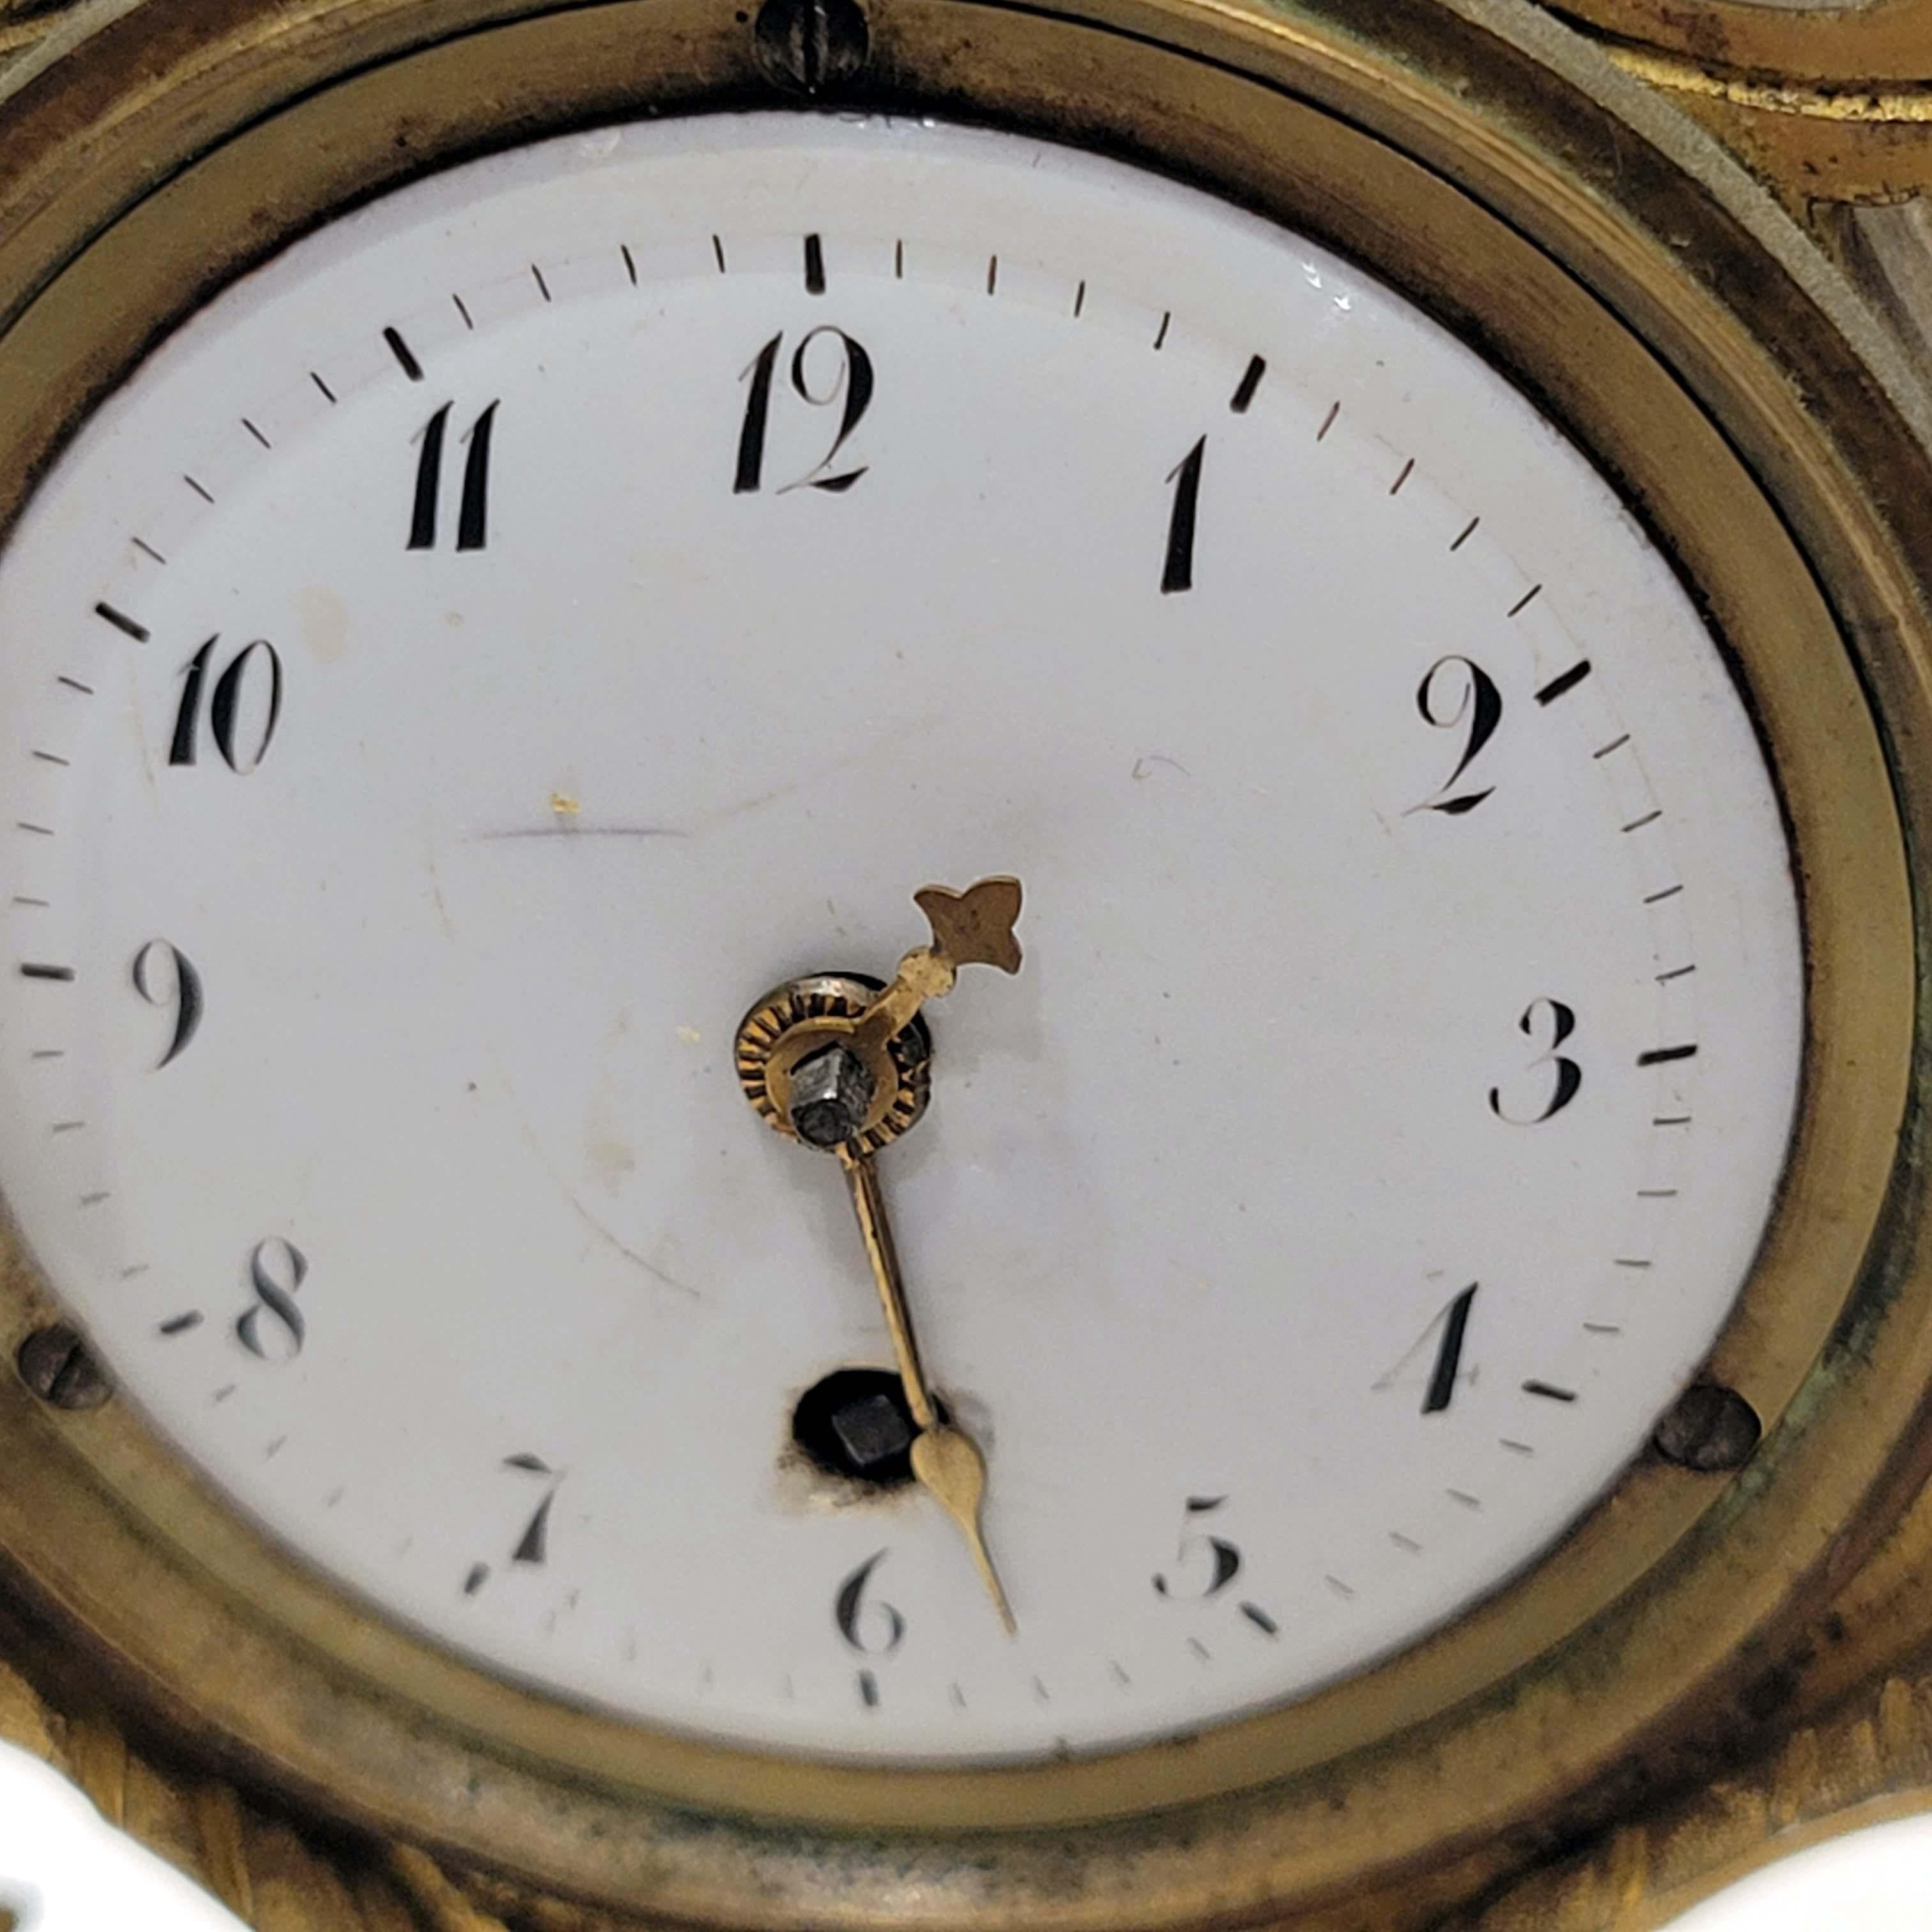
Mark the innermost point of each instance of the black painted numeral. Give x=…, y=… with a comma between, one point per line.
x=869, y=1625
x=165, y=977
x=533, y=1545
x=1447, y=1332
x=243, y=709
x=849, y=385
x=1205, y=1565
x=472, y=512
x=274, y=1329
x=1456, y=693
x=1548, y=1024
x=1177, y=570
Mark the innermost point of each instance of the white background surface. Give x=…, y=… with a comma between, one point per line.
x=54, y=1849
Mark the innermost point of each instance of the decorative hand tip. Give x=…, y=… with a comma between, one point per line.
x=974, y=928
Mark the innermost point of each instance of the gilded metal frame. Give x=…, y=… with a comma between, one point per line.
x=1495, y=169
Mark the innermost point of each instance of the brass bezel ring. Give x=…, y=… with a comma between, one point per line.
x=1503, y=175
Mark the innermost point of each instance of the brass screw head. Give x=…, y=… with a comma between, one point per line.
x=54, y=1363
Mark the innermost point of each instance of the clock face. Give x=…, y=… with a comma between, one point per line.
x=488, y=647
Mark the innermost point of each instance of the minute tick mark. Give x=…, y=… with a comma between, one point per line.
x=181, y=1325
x=404, y=355
x=1564, y=681
x=1658, y=1056
x=1549, y=1390
x=1251, y=381
x=125, y=624
x=1523, y=602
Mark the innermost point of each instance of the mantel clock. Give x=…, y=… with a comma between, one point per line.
x=962, y=961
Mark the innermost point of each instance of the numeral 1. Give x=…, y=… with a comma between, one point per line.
x=1178, y=573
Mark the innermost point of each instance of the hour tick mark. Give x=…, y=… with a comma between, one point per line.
x=1564, y=681
x=1528, y=598
x=1658, y=1056
x=869, y=1689
x=1260, y=1619
x=181, y=1325
x=125, y=624
x=403, y=353
x=33, y=969
x=1251, y=381
x=814, y=265
x=1549, y=1390
x=899, y=261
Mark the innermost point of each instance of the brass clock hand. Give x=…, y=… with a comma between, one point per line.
x=829, y=1061
x=945, y=1459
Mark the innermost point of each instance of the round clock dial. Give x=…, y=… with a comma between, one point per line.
x=488, y=647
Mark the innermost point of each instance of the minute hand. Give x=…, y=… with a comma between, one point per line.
x=945, y=1459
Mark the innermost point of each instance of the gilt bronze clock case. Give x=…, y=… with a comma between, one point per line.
x=320, y=1769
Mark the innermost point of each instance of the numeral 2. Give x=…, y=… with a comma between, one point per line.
x=1457, y=692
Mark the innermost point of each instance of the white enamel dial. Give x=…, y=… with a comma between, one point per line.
x=487, y=647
